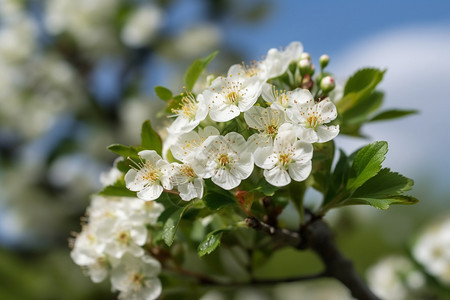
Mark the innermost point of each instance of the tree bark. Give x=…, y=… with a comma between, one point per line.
x=316, y=235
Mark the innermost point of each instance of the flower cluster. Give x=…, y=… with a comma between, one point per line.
x=280, y=125
x=112, y=243
x=257, y=120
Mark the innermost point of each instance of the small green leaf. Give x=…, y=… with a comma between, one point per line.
x=210, y=242
x=360, y=85
x=171, y=226
x=196, y=68
x=367, y=163
x=384, y=184
x=392, y=114
x=125, y=151
x=218, y=198
x=266, y=188
x=150, y=139
x=361, y=110
x=163, y=93
x=118, y=189
x=383, y=203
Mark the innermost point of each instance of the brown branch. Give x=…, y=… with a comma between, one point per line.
x=317, y=236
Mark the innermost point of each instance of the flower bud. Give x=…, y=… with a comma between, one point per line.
x=327, y=84
x=305, y=55
x=324, y=60
x=305, y=67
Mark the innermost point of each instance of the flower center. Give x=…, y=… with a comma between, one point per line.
x=251, y=69
x=188, y=171
x=124, y=237
x=285, y=159
x=232, y=97
x=224, y=160
x=271, y=129
x=188, y=107
x=313, y=120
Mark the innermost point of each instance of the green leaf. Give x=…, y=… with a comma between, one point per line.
x=384, y=184
x=163, y=93
x=125, y=151
x=383, y=203
x=367, y=163
x=118, y=189
x=150, y=139
x=360, y=85
x=196, y=68
x=339, y=177
x=210, y=242
x=266, y=188
x=321, y=165
x=361, y=110
x=171, y=226
x=392, y=114
x=218, y=198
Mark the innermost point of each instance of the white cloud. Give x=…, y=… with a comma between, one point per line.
x=418, y=77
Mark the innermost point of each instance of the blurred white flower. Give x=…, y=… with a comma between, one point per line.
x=395, y=278
x=432, y=250
x=141, y=26
x=136, y=278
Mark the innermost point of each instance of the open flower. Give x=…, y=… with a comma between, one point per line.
x=288, y=158
x=190, y=113
x=187, y=182
x=224, y=159
x=187, y=144
x=277, y=61
x=277, y=99
x=228, y=96
x=150, y=176
x=266, y=121
x=136, y=278
x=312, y=117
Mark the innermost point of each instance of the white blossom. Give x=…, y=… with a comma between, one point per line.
x=188, y=144
x=266, y=121
x=187, y=182
x=311, y=117
x=141, y=26
x=288, y=158
x=228, y=96
x=190, y=113
x=136, y=278
x=277, y=99
x=150, y=176
x=394, y=278
x=432, y=250
x=224, y=159
x=277, y=61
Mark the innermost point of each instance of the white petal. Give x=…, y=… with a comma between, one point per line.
x=152, y=289
x=267, y=93
x=254, y=117
x=327, y=110
x=150, y=155
x=299, y=171
x=265, y=158
x=224, y=113
x=326, y=133
x=309, y=135
x=225, y=179
x=132, y=182
x=151, y=192
x=277, y=176
x=244, y=168
x=303, y=151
